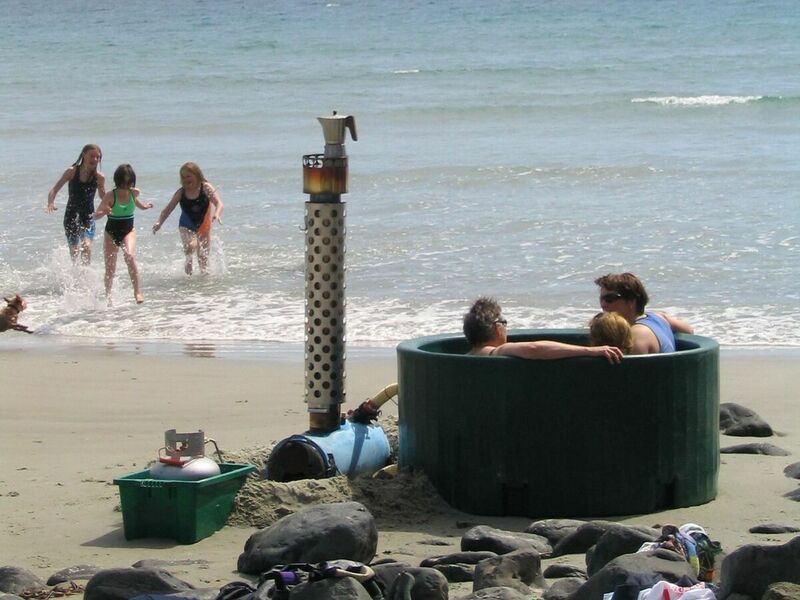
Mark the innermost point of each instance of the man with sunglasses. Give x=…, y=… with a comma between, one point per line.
x=653, y=332
x=485, y=330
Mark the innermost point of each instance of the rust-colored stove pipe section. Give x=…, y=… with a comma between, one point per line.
x=320, y=422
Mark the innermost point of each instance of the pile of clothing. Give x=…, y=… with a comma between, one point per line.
x=692, y=543
x=664, y=590
x=278, y=582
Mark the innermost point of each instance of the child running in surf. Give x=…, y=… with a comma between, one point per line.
x=118, y=204
x=84, y=181
x=196, y=197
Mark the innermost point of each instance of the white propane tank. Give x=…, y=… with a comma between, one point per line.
x=191, y=470
x=185, y=458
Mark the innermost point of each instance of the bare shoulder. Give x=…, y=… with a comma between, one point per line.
x=518, y=349
x=644, y=340
x=641, y=330
x=482, y=351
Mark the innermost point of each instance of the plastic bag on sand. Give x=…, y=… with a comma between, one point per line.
x=665, y=590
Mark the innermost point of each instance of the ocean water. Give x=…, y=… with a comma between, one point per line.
x=508, y=148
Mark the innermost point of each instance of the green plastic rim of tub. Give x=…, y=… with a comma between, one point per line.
x=575, y=437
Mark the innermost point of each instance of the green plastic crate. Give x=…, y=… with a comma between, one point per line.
x=186, y=511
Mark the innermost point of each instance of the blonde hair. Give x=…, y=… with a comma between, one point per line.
x=611, y=328
x=194, y=170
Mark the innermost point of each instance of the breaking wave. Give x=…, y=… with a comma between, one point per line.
x=697, y=100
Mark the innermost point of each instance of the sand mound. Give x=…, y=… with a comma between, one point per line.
x=405, y=499
x=409, y=497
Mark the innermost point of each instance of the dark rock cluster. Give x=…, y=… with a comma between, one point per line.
x=739, y=420
x=502, y=565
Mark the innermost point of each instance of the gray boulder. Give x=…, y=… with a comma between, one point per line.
x=750, y=569
x=773, y=528
x=554, y=529
x=344, y=588
x=582, y=538
x=782, y=591
x=640, y=567
x=13, y=580
x=500, y=541
x=738, y=420
x=122, y=584
x=314, y=534
x=458, y=573
x=558, y=571
x=755, y=448
x=497, y=593
x=197, y=594
x=429, y=584
x=563, y=588
x=519, y=570
x=468, y=558
x=457, y=567
x=76, y=573
x=616, y=541
x=401, y=587
x=792, y=470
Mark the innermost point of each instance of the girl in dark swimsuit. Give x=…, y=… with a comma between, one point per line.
x=85, y=180
x=200, y=205
x=118, y=204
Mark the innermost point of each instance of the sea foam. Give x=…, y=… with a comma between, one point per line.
x=711, y=100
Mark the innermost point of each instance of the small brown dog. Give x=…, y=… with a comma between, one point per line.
x=8, y=316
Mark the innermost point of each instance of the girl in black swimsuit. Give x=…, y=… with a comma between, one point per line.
x=200, y=206
x=85, y=180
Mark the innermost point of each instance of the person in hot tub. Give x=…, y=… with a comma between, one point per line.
x=485, y=330
x=653, y=332
x=611, y=328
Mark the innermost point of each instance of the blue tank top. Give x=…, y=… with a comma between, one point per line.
x=659, y=326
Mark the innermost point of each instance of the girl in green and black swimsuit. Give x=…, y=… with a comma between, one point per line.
x=118, y=204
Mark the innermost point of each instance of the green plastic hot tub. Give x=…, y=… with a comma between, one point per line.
x=562, y=438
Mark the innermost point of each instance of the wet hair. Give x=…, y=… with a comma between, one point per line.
x=627, y=285
x=611, y=329
x=479, y=321
x=85, y=149
x=194, y=169
x=124, y=176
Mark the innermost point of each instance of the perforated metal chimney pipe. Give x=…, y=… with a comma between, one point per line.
x=325, y=178
x=332, y=446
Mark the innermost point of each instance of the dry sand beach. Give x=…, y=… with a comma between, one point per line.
x=72, y=420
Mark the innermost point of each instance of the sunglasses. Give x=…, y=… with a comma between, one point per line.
x=502, y=322
x=611, y=297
